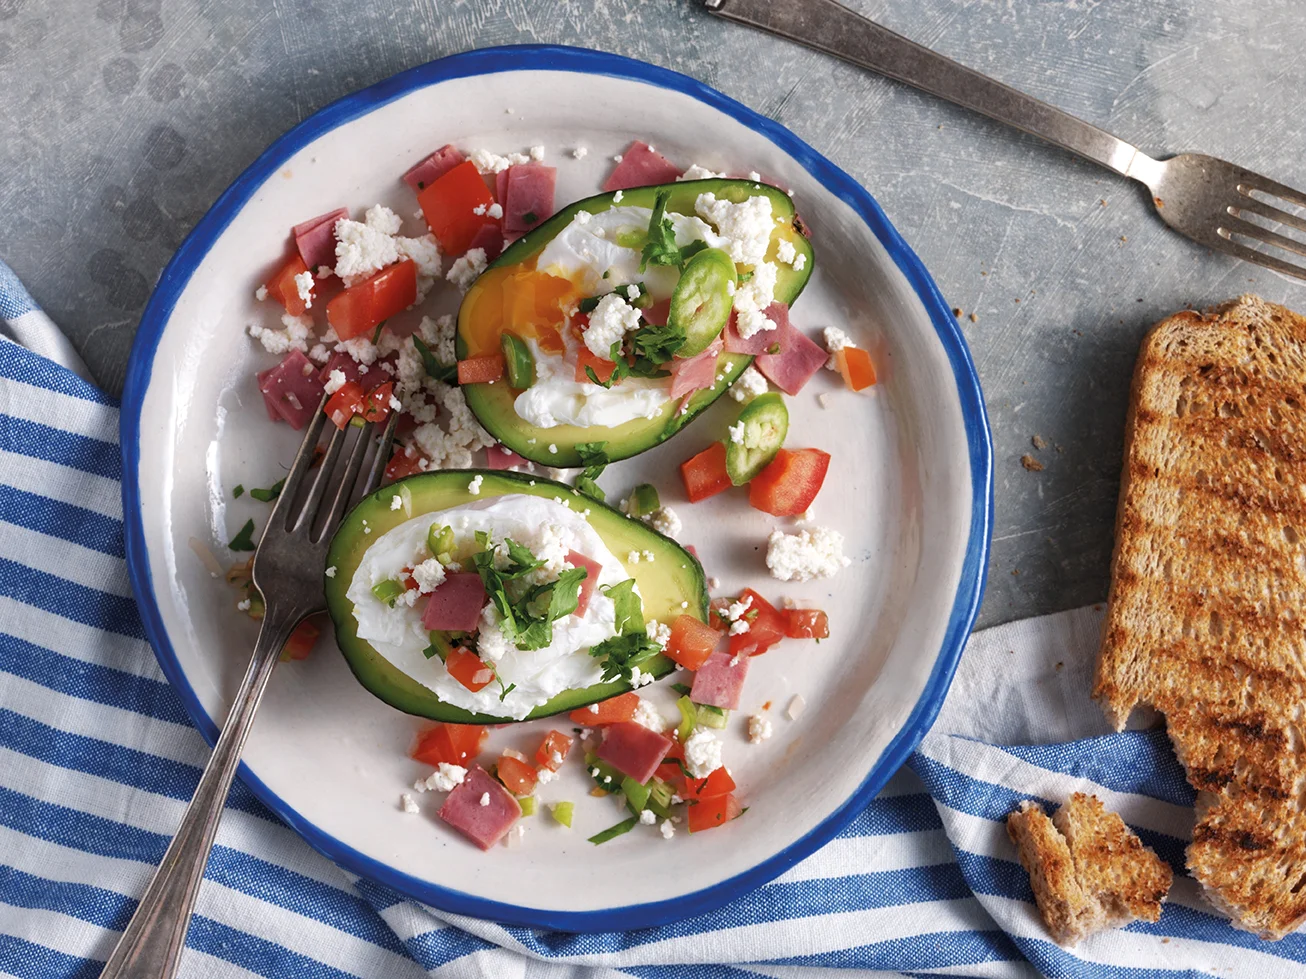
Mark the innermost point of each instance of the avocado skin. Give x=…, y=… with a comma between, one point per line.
x=492, y=404
x=675, y=577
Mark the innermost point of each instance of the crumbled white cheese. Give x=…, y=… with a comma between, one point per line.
x=815, y=553
x=579, y=153
x=331, y=571
x=545, y=775
x=759, y=729
x=659, y=632
x=616, y=198
x=632, y=557
x=382, y=219
x=696, y=172
x=795, y=707
x=495, y=211
x=553, y=448
x=667, y=829
x=664, y=520
x=747, y=225
x=649, y=557
x=425, y=254
x=408, y=805
x=446, y=776
x=326, y=271
x=800, y=263
x=319, y=353
x=647, y=716
x=752, y=298
x=647, y=817
x=537, y=153
x=298, y=330
x=736, y=433
x=244, y=604
x=474, y=487
x=429, y=575
x=835, y=340
x=479, y=209
x=807, y=516
x=739, y=627
x=485, y=798
x=616, y=158
x=611, y=320
x=487, y=162
x=261, y=293
x=632, y=292
x=785, y=251
x=361, y=349
x=362, y=249
x=594, y=709
x=754, y=175
x=396, y=502
x=702, y=753
x=751, y=383
x=464, y=270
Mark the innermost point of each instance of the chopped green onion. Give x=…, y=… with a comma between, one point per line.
x=680, y=688
x=713, y=717
x=387, y=591
x=530, y=217
x=562, y=812
x=269, y=494
x=636, y=794
x=588, y=304
x=527, y=805
x=612, y=832
x=440, y=643
x=357, y=421
x=631, y=238
x=238, y=492
x=244, y=539
x=644, y=500
x=688, y=718
x=660, y=792
x=440, y=543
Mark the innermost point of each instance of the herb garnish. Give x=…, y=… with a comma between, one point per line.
x=448, y=373
x=244, y=540
x=269, y=494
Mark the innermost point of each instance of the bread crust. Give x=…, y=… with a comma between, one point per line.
x=1206, y=615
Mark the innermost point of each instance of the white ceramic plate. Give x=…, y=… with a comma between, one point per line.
x=910, y=488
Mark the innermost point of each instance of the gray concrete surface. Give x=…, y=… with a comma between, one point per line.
x=122, y=120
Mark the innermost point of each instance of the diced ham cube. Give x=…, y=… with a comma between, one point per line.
x=316, y=238
x=528, y=200
x=578, y=560
x=799, y=358
x=484, y=825
x=422, y=175
x=368, y=377
x=633, y=749
x=761, y=340
x=696, y=373
x=455, y=606
x=499, y=457
x=720, y=680
x=292, y=389
x=641, y=166
x=490, y=238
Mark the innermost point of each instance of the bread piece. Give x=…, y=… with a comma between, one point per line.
x=1089, y=872
x=1206, y=618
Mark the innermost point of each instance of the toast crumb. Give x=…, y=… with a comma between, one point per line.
x=1031, y=464
x=1208, y=588
x=1089, y=871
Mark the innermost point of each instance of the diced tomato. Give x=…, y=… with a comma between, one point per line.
x=282, y=288
x=402, y=464
x=450, y=206
x=806, y=623
x=376, y=407
x=856, y=366
x=468, y=669
x=717, y=784
x=610, y=711
x=554, y=743
x=517, y=776
x=361, y=308
x=716, y=613
x=669, y=771
x=790, y=482
x=705, y=474
x=302, y=640
x=711, y=813
x=347, y=402
x=691, y=642
x=479, y=370
x=766, y=626
x=602, y=368
x=677, y=751
x=454, y=744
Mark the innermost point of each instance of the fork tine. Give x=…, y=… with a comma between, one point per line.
x=303, y=460
x=1249, y=181
x=344, y=490
x=1240, y=226
x=321, y=480
x=382, y=456
x=1257, y=206
x=1237, y=250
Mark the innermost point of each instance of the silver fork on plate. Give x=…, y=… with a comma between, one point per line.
x=288, y=571
x=1211, y=201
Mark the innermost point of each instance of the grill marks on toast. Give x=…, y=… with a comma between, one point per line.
x=1206, y=619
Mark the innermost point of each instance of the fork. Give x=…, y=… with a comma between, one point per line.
x=1213, y=202
x=288, y=571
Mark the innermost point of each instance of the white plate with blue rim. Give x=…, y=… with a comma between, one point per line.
x=910, y=488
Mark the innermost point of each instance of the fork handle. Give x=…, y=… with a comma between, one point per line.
x=834, y=29
x=151, y=945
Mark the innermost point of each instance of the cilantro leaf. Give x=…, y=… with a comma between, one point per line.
x=621, y=654
x=238, y=492
x=628, y=609
x=586, y=485
x=269, y=494
x=448, y=373
x=657, y=343
x=661, y=247
x=244, y=539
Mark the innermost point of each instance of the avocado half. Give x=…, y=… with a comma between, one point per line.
x=493, y=403
x=672, y=585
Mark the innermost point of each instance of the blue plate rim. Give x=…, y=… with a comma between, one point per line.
x=970, y=588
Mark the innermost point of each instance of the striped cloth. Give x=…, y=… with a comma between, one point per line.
x=98, y=760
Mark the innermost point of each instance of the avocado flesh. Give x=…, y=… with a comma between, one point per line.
x=674, y=578
x=493, y=403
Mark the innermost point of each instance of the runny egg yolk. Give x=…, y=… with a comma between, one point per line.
x=519, y=299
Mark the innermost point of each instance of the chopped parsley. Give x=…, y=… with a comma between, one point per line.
x=238, y=492
x=632, y=647
x=269, y=494
x=527, y=614
x=244, y=539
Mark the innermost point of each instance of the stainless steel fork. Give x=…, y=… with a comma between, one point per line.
x=1213, y=202
x=288, y=570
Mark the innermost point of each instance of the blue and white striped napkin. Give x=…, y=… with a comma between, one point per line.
x=98, y=760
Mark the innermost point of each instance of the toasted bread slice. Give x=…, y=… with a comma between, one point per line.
x=1206, y=618
x=1088, y=870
